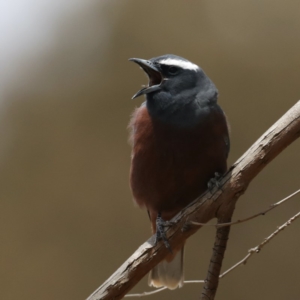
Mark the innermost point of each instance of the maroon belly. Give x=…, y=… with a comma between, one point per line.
x=171, y=166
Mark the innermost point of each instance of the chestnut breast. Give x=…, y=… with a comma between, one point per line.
x=171, y=166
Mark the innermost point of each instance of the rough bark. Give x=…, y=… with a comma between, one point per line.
x=212, y=279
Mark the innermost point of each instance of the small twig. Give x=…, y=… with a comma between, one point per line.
x=160, y=289
x=146, y=293
x=272, y=206
x=258, y=248
x=251, y=251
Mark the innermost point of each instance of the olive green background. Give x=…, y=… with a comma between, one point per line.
x=67, y=220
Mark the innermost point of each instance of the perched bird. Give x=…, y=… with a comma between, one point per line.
x=180, y=142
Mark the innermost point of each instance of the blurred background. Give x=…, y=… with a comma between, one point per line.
x=67, y=219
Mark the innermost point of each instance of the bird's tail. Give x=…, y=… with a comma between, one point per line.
x=168, y=273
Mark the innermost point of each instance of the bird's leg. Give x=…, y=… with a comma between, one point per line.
x=160, y=231
x=214, y=182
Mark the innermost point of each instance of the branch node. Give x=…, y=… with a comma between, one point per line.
x=187, y=226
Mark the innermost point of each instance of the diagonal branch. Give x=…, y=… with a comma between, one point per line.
x=251, y=251
x=208, y=206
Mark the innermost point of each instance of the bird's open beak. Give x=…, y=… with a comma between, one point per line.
x=154, y=75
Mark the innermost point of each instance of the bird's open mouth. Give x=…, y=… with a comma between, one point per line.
x=154, y=75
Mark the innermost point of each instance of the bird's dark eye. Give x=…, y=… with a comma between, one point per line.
x=173, y=70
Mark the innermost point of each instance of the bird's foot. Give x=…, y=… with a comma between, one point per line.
x=214, y=182
x=161, y=224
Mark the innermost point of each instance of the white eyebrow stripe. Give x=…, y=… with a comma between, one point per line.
x=179, y=63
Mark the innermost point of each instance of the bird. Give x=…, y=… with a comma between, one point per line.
x=180, y=144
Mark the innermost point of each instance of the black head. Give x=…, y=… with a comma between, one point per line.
x=178, y=90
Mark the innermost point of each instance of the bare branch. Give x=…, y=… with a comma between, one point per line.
x=218, y=225
x=251, y=251
x=212, y=278
x=233, y=184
